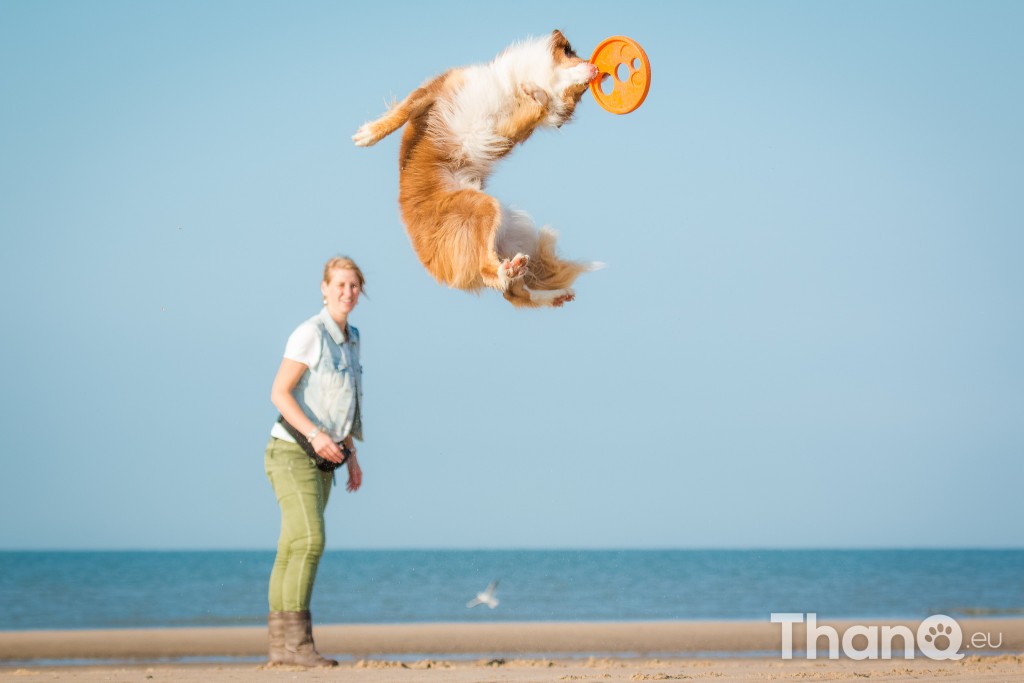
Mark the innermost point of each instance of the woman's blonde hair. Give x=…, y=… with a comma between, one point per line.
x=344, y=263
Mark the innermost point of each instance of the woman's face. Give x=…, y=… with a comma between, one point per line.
x=341, y=292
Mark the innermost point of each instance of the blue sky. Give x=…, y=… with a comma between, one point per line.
x=808, y=334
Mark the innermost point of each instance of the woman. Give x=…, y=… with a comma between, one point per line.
x=318, y=391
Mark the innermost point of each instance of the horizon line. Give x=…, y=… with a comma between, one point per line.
x=878, y=548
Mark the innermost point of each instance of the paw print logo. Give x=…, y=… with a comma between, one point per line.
x=940, y=637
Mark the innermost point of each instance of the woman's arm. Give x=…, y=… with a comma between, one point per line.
x=288, y=375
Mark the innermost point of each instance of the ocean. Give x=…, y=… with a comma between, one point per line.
x=87, y=590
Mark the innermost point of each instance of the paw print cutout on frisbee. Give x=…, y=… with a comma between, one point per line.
x=624, y=74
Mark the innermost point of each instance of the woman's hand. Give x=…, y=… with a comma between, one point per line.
x=326, y=448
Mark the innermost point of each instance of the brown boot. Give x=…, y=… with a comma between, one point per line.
x=275, y=626
x=298, y=641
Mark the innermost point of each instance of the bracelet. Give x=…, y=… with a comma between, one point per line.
x=313, y=434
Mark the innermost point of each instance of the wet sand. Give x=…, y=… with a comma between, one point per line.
x=514, y=652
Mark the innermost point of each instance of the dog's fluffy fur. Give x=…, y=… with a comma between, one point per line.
x=457, y=126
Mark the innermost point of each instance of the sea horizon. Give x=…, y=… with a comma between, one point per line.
x=95, y=589
x=651, y=548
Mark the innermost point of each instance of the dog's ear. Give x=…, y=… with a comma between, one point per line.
x=560, y=44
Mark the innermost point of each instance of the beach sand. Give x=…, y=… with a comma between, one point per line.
x=513, y=652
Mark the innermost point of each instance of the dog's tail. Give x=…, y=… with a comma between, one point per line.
x=549, y=278
x=550, y=272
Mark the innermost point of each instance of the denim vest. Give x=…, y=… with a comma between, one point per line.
x=330, y=394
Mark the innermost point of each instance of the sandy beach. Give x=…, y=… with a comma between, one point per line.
x=514, y=652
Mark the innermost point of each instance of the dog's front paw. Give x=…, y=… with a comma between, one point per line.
x=366, y=136
x=536, y=93
x=513, y=269
x=583, y=73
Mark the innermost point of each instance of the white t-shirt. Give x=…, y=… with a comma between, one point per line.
x=305, y=346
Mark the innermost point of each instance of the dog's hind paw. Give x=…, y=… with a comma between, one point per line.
x=551, y=297
x=513, y=269
x=563, y=299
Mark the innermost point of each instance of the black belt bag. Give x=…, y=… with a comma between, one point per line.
x=322, y=464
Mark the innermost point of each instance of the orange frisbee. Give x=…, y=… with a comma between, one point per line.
x=624, y=74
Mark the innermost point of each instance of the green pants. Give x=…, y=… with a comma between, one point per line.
x=302, y=492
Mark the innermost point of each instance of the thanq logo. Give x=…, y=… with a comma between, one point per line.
x=938, y=637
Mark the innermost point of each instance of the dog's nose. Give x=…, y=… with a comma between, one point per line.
x=594, y=71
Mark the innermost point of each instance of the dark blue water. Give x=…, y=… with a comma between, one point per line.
x=73, y=590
